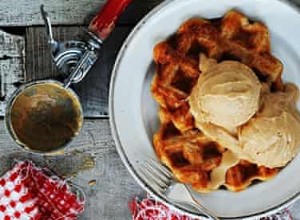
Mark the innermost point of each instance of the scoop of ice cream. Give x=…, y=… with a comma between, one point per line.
x=272, y=137
x=226, y=94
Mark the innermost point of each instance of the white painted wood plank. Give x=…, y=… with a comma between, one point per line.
x=11, y=45
x=27, y=12
x=12, y=69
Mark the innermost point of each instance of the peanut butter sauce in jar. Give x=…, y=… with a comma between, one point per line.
x=44, y=117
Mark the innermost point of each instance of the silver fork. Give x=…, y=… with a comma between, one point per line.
x=161, y=179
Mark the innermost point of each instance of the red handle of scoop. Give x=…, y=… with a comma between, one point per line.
x=104, y=22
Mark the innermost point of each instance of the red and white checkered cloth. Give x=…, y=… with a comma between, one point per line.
x=149, y=209
x=30, y=193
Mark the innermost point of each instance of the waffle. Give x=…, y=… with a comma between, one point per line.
x=192, y=157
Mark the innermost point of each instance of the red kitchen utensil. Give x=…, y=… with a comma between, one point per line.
x=103, y=23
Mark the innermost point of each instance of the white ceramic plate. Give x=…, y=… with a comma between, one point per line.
x=134, y=112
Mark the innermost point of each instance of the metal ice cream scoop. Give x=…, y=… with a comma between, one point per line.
x=75, y=58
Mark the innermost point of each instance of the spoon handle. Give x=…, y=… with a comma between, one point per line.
x=104, y=22
x=53, y=43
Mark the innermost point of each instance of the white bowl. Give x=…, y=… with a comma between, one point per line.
x=133, y=111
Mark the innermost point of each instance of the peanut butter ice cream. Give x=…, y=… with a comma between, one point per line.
x=272, y=137
x=231, y=106
x=227, y=94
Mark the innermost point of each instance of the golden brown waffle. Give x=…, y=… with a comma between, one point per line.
x=178, y=143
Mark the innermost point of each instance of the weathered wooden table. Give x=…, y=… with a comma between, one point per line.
x=91, y=161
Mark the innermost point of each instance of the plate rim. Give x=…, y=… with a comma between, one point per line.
x=113, y=124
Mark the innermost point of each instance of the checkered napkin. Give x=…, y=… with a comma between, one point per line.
x=30, y=193
x=149, y=209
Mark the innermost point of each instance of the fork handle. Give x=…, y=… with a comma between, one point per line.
x=104, y=22
x=204, y=210
x=196, y=204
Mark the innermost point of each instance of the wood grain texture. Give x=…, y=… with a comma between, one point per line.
x=12, y=54
x=114, y=188
x=93, y=90
x=11, y=46
x=68, y=12
x=39, y=63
